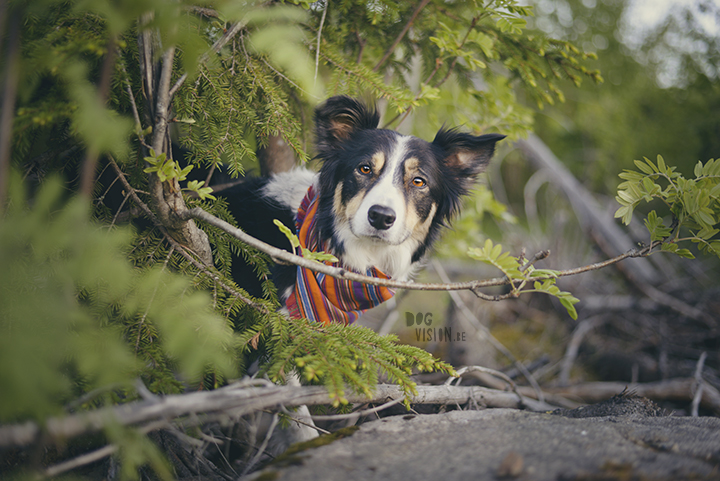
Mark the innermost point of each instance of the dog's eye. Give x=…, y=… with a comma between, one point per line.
x=365, y=169
x=419, y=182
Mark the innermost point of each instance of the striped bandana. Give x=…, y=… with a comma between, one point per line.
x=322, y=298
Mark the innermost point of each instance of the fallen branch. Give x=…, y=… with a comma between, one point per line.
x=677, y=390
x=237, y=400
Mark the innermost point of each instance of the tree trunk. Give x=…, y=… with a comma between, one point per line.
x=167, y=200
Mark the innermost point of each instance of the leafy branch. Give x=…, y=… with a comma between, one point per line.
x=167, y=170
x=493, y=256
x=519, y=275
x=693, y=204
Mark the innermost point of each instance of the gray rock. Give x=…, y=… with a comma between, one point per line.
x=510, y=444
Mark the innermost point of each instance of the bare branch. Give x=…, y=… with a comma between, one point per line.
x=319, y=38
x=680, y=389
x=698, y=385
x=240, y=399
x=405, y=29
x=283, y=256
x=162, y=104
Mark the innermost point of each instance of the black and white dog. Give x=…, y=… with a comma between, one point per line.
x=378, y=203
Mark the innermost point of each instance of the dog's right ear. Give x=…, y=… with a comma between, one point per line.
x=338, y=119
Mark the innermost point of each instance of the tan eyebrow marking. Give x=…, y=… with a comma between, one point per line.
x=378, y=161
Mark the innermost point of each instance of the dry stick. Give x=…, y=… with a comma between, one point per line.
x=485, y=370
x=364, y=412
x=573, y=347
x=319, y=37
x=678, y=390
x=239, y=402
x=698, y=385
x=96, y=455
x=484, y=333
x=263, y=446
x=405, y=29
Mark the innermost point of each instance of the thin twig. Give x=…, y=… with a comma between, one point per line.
x=283, y=256
x=357, y=414
x=133, y=104
x=405, y=29
x=98, y=454
x=263, y=446
x=298, y=418
x=319, y=38
x=484, y=333
x=82, y=460
x=574, y=346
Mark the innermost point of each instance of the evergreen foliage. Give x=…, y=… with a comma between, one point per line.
x=77, y=317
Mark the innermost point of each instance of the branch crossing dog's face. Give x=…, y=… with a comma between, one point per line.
x=383, y=195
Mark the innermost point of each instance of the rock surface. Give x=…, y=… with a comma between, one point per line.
x=495, y=444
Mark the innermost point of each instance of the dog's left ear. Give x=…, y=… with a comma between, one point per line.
x=338, y=119
x=463, y=157
x=466, y=155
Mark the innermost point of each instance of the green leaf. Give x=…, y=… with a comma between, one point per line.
x=294, y=241
x=647, y=168
x=661, y=164
x=319, y=256
x=655, y=226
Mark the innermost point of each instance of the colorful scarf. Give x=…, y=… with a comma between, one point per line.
x=320, y=297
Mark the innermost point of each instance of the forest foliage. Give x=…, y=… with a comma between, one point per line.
x=169, y=92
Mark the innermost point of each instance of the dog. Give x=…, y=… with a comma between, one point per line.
x=378, y=203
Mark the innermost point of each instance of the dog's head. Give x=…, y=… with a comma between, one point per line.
x=383, y=190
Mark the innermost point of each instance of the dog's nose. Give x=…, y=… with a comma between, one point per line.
x=381, y=217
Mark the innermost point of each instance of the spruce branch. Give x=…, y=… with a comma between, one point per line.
x=216, y=47
x=183, y=250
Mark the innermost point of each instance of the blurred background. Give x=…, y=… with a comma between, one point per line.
x=643, y=320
